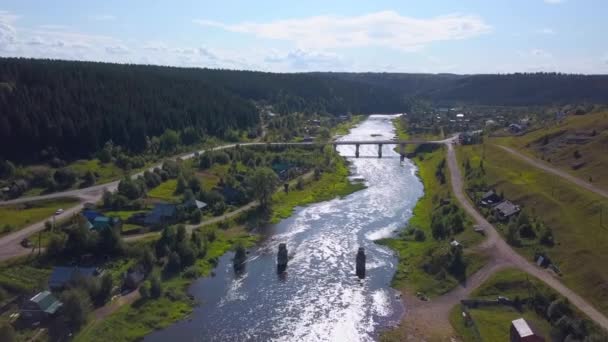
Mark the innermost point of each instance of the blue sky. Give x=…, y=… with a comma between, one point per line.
x=465, y=36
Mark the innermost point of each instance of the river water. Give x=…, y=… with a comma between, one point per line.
x=319, y=298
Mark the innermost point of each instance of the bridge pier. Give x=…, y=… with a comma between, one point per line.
x=357, y=150
x=402, y=151
x=379, y=150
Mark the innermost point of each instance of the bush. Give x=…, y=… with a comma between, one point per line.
x=419, y=235
x=76, y=308
x=155, y=287
x=144, y=290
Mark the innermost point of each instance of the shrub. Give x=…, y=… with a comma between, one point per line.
x=419, y=235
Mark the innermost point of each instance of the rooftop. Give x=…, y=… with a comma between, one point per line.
x=46, y=302
x=522, y=327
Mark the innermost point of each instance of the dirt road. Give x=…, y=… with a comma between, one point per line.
x=563, y=174
x=499, y=251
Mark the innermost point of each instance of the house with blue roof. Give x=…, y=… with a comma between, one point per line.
x=163, y=213
x=62, y=276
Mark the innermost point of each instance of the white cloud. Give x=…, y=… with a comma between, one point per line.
x=117, y=49
x=304, y=60
x=8, y=33
x=387, y=29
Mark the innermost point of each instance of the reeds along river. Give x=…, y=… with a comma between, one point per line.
x=319, y=298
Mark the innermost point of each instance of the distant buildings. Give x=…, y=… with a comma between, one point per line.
x=522, y=331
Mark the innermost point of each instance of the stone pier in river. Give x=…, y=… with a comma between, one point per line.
x=282, y=258
x=360, y=268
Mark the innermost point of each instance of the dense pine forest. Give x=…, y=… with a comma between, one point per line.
x=74, y=108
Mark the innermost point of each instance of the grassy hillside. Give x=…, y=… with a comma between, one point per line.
x=581, y=244
x=492, y=322
x=578, y=145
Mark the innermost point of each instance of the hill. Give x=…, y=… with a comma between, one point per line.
x=576, y=145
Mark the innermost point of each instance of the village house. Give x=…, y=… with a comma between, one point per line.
x=192, y=204
x=63, y=276
x=522, y=331
x=163, y=213
x=490, y=199
x=506, y=209
x=40, y=307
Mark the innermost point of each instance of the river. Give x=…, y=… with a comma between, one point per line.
x=319, y=298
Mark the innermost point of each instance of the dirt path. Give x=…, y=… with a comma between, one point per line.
x=563, y=174
x=111, y=307
x=432, y=317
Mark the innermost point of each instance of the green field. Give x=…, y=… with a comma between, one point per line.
x=581, y=244
x=493, y=322
x=132, y=322
x=556, y=144
x=165, y=191
x=22, y=278
x=330, y=185
x=13, y=218
x=104, y=172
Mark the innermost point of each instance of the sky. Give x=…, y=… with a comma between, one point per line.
x=430, y=36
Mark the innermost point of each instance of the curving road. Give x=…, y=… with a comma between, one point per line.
x=548, y=168
x=499, y=251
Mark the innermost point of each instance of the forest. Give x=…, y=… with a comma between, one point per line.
x=70, y=109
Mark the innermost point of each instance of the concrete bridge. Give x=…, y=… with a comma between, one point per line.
x=358, y=143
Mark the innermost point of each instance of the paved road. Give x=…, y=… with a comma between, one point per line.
x=496, y=247
x=563, y=174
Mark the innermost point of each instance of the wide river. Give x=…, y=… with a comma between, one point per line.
x=319, y=298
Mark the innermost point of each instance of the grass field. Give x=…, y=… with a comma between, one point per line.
x=493, y=322
x=330, y=185
x=165, y=191
x=413, y=254
x=23, y=278
x=559, y=146
x=13, y=218
x=344, y=127
x=106, y=172
x=133, y=322
x=581, y=248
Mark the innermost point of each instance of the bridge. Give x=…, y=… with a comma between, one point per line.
x=358, y=143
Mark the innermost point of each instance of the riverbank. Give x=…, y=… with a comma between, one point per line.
x=330, y=185
x=428, y=264
x=136, y=320
x=133, y=322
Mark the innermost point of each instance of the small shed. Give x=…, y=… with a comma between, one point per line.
x=40, y=307
x=103, y=222
x=522, y=331
x=506, y=209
